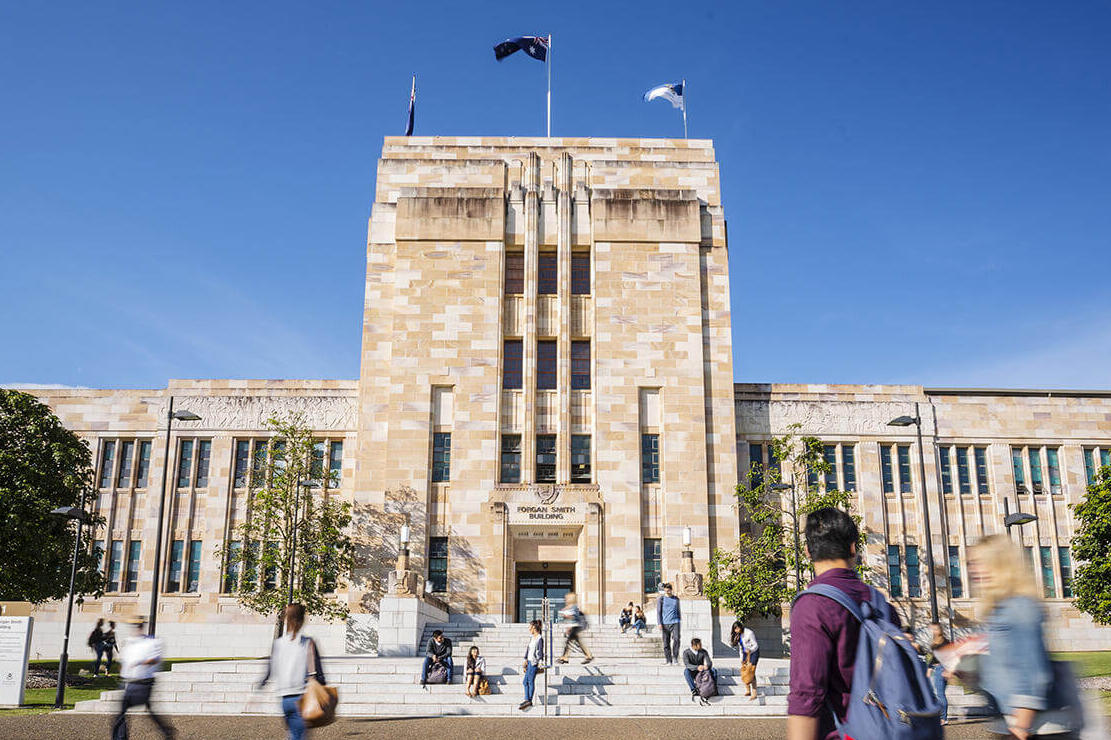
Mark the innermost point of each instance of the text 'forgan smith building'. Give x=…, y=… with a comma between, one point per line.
x=547, y=400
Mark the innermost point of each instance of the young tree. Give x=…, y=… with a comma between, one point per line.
x=292, y=531
x=43, y=466
x=1091, y=548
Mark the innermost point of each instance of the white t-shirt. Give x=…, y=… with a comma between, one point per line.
x=134, y=657
x=748, y=642
x=289, y=661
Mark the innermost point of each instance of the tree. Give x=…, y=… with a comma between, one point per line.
x=260, y=562
x=757, y=576
x=43, y=466
x=1091, y=548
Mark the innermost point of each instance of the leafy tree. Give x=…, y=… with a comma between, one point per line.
x=260, y=562
x=1091, y=548
x=43, y=466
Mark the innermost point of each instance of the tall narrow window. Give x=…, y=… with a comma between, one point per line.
x=242, y=462
x=1104, y=457
x=547, y=278
x=270, y=570
x=956, y=587
x=204, y=456
x=811, y=477
x=1066, y=572
x=441, y=457
x=107, y=458
x=115, y=565
x=580, y=273
x=335, y=464
x=546, y=366
x=652, y=569
x=511, y=367
x=848, y=458
x=231, y=567
x=1034, y=454
x=829, y=452
x=316, y=464
x=885, y=469
x=914, y=579
x=1054, y=471
x=135, y=549
x=1017, y=467
x=177, y=552
x=144, y=465
x=580, y=458
x=946, y=471
x=894, y=572
x=184, y=463
x=514, y=273
x=649, y=458
x=511, y=458
x=1089, y=464
x=127, y=450
x=982, y=486
x=755, y=465
x=545, y=458
x=250, y=566
x=192, y=580
x=904, y=468
x=580, y=365
x=1049, y=589
x=437, y=563
x=963, y=475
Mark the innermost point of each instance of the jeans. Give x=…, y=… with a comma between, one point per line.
x=100, y=651
x=937, y=680
x=428, y=664
x=689, y=675
x=670, y=634
x=639, y=625
x=530, y=681
x=753, y=657
x=135, y=694
x=291, y=708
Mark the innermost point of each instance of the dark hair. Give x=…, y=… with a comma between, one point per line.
x=830, y=534
x=437, y=633
x=294, y=617
x=665, y=586
x=735, y=633
x=470, y=656
x=536, y=625
x=696, y=641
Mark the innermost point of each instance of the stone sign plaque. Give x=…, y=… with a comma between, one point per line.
x=559, y=514
x=15, y=646
x=559, y=535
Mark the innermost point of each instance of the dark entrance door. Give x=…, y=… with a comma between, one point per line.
x=533, y=586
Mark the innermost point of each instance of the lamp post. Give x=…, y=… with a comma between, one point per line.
x=1017, y=519
x=156, y=580
x=293, y=546
x=80, y=516
x=795, y=524
x=916, y=420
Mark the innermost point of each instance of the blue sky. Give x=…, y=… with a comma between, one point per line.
x=916, y=192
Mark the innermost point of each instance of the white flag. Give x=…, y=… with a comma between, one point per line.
x=671, y=92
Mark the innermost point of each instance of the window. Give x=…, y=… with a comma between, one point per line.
x=127, y=450
x=511, y=369
x=250, y=566
x=580, y=365
x=98, y=553
x=904, y=468
x=242, y=458
x=894, y=576
x=193, y=579
x=514, y=273
x=258, y=464
x=955, y=586
x=1066, y=572
x=829, y=452
x=580, y=273
x=1035, y=468
x=914, y=580
x=231, y=567
x=963, y=475
x=1017, y=466
x=107, y=457
x=981, y=455
x=135, y=548
x=811, y=478
x=1089, y=464
x=946, y=472
x=441, y=457
x=1049, y=589
x=437, y=563
x=547, y=282
x=545, y=458
x=115, y=564
x=270, y=572
x=580, y=458
x=316, y=464
x=1054, y=471
x=204, y=455
x=755, y=465
x=177, y=552
x=335, y=464
x=546, y=365
x=885, y=469
x=649, y=458
x=511, y=458
x=1104, y=457
x=848, y=466
x=652, y=570
x=184, y=463
x=144, y=465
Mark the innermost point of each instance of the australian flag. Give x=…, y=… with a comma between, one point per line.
x=412, y=107
x=535, y=46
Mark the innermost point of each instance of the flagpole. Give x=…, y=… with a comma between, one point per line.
x=549, y=66
x=684, y=107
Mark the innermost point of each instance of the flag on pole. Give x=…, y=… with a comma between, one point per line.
x=535, y=46
x=412, y=107
x=671, y=92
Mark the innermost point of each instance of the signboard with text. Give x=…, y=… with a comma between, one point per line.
x=547, y=514
x=15, y=646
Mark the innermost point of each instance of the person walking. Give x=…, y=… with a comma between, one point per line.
x=640, y=621
x=293, y=658
x=96, y=642
x=110, y=647
x=534, y=659
x=937, y=671
x=744, y=640
x=139, y=662
x=474, y=671
x=437, y=651
x=575, y=620
x=668, y=617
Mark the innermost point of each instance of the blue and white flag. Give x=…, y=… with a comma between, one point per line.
x=412, y=107
x=671, y=92
x=535, y=46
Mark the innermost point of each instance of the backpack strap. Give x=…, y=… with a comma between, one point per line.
x=842, y=598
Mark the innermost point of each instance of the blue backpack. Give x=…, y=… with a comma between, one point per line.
x=890, y=697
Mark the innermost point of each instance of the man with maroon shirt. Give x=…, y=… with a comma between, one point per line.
x=823, y=634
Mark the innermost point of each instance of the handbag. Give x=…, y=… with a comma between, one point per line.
x=483, y=686
x=748, y=672
x=318, y=704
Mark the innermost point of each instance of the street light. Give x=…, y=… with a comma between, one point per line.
x=293, y=548
x=916, y=420
x=1017, y=519
x=79, y=515
x=795, y=523
x=157, y=579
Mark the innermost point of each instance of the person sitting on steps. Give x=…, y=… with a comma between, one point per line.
x=695, y=660
x=626, y=619
x=640, y=622
x=438, y=651
x=475, y=670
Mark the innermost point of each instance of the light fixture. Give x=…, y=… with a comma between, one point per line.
x=686, y=536
x=1018, y=519
x=186, y=416
x=404, y=535
x=902, y=421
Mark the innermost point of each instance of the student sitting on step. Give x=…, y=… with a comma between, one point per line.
x=438, y=651
x=475, y=670
x=695, y=660
x=640, y=622
x=626, y=619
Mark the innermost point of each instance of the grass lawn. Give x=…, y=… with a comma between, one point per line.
x=1091, y=664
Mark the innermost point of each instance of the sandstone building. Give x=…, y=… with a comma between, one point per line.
x=547, y=401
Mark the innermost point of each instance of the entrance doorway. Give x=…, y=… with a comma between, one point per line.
x=533, y=586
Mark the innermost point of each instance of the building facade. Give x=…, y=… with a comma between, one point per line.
x=546, y=400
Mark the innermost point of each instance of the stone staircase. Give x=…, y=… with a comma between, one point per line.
x=507, y=641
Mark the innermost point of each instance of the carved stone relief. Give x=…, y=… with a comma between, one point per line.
x=826, y=418
x=252, y=412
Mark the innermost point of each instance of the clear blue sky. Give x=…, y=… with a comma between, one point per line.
x=916, y=192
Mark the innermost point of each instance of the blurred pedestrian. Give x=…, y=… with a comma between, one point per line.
x=96, y=642
x=293, y=659
x=140, y=660
x=575, y=620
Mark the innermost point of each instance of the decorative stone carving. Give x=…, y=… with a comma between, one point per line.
x=252, y=412
x=405, y=583
x=690, y=585
x=547, y=492
x=827, y=418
